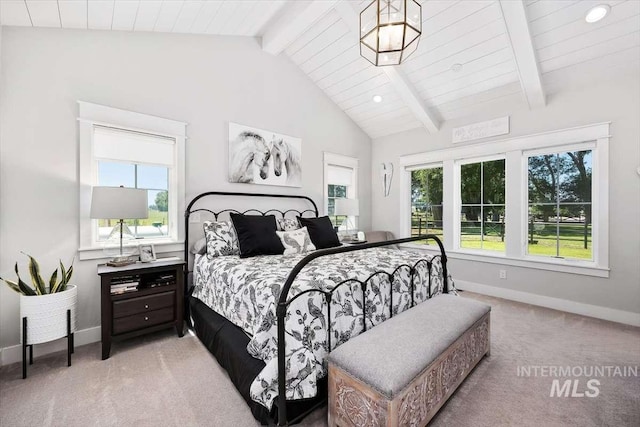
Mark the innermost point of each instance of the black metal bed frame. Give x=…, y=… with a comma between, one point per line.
x=284, y=300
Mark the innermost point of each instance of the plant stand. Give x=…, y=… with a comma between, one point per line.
x=70, y=345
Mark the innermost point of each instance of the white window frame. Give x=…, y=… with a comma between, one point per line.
x=413, y=168
x=457, y=203
x=91, y=115
x=339, y=160
x=591, y=145
x=516, y=152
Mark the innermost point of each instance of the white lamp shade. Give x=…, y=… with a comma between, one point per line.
x=119, y=203
x=348, y=207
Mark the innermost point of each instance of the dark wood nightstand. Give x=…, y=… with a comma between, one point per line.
x=156, y=303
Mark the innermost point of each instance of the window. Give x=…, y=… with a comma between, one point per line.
x=426, y=202
x=482, y=193
x=154, y=179
x=553, y=185
x=341, y=181
x=122, y=148
x=559, y=205
x=335, y=192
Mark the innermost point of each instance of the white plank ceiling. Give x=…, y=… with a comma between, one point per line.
x=568, y=51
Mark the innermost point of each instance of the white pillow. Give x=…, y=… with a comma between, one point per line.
x=296, y=241
x=287, y=224
x=221, y=239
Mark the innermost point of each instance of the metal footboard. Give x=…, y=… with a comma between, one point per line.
x=284, y=301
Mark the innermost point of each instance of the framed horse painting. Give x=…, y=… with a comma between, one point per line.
x=264, y=157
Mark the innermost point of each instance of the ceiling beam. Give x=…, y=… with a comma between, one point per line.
x=296, y=18
x=399, y=82
x=515, y=18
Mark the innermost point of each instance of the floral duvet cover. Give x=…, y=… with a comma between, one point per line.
x=246, y=292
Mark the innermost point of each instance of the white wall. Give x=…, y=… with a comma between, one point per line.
x=204, y=81
x=615, y=102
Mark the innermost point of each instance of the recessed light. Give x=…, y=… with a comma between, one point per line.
x=456, y=68
x=596, y=13
x=377, y=98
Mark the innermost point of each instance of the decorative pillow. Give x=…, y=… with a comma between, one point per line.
x=288, y=224
x=221, y=239
x=296, y=241
x=199, y=247
x=321, y=232
x=257, y=235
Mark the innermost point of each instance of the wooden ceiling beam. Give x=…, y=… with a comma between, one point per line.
x=400, y=83
x=296, y=18
x=515, y=18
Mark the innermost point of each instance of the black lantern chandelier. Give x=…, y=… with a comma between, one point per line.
x=390, y=31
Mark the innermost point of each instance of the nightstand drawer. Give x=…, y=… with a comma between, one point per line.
x=143, y=304
x=142, y=320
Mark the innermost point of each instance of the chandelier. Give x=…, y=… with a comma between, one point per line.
x=390, y=31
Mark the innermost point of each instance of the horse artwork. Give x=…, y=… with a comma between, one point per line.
x=263, y=157
x=285, y=154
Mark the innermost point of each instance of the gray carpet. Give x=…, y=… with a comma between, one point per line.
x=161, y=380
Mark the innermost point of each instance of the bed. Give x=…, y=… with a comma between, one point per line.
x=242, y=308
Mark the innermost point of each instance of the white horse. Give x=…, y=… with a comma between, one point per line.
x=248, y=149
x=287, y=154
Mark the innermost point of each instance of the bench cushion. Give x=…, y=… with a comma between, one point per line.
x=389, y=356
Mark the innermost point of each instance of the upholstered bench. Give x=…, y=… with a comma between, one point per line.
x=403, y=370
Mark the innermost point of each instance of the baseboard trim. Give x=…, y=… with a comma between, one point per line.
x=605, y=313
x=13, y=354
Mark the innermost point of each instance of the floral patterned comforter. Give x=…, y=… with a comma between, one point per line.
x=246, y=291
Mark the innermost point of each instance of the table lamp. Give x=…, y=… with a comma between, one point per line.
x=348, y=208
x=119, y=203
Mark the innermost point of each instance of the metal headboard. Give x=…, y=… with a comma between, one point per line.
x=216, y=214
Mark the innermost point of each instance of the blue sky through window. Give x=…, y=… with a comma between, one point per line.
x=114, y=174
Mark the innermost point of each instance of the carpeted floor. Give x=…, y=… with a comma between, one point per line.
x=161, y=380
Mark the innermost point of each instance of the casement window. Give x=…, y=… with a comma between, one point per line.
x=538, y=201
x=559, y=205
x=341, y=181
x=123, y=148
x=426, y=201
x=482, y=213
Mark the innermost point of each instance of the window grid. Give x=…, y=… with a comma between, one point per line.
x=484, y=208
x=573, y=229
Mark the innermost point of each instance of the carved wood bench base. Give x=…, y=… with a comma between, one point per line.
x=352, y=403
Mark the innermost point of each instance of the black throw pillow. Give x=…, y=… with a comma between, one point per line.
x=257, y=235
x=321, y=232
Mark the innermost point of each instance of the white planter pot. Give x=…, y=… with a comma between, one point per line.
x=47, y=315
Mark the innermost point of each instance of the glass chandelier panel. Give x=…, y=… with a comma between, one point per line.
x=390, y=31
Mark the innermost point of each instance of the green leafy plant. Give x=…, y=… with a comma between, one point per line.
x=39, y=285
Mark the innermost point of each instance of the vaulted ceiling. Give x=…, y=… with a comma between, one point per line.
x=473, y=55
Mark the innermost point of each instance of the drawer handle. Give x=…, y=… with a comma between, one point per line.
x=146, y=306
x=146, y=318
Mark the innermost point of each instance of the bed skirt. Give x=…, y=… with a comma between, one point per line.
x=228, y=343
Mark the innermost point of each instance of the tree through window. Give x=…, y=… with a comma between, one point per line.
x=560, y=205
x=426, y=202
x=482, y=192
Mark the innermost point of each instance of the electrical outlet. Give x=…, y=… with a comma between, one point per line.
x=194, y=217
x=503, y=274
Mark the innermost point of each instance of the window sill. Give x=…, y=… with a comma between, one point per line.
x=161, y=247
x=561, y=266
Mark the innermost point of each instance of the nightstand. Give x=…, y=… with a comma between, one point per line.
x=148, y=297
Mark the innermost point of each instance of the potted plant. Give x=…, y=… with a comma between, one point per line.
x=47, y=310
